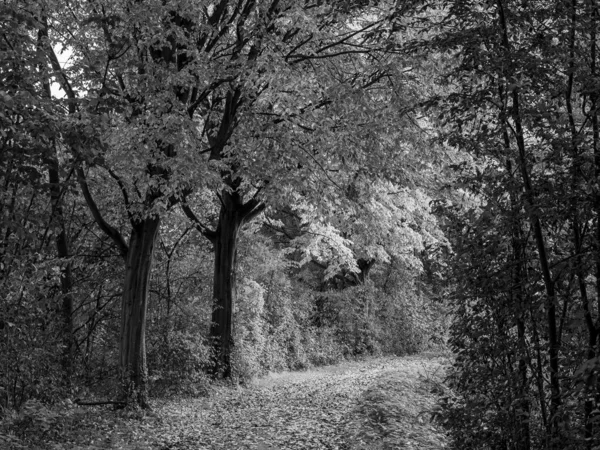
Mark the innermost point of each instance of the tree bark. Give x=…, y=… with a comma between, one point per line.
x=133, y=369
x=66, y=279
x=138, y=256
x=233, y=215
x=225, y=246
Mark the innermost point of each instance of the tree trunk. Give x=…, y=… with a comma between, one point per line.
x=66, y=279
x=594, y=347
x=519, y=303
x=580, y=269
x=551, y=300
x=225, y=245
x=365, y=266
x=61, y=240
x=234, y=213
x=134, y=372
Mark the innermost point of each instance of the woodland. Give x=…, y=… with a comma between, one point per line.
x=200, y=193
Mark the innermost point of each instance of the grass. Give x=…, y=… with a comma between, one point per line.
x=397, y=412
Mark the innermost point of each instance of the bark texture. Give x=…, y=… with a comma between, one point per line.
x=233, y=215
x=134, y=372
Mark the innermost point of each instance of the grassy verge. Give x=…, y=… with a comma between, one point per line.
x=398, y=411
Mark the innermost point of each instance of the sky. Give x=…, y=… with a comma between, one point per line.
x=64, y=57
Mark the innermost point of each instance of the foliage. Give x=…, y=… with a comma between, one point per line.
x=397, y=412
x=521, y=114
x=113, y=114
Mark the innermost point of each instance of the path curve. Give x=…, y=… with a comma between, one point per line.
x=381, y=403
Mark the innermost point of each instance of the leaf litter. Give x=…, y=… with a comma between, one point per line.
x=376, y=404
x=380, y=403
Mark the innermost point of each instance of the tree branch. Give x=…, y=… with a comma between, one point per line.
x=252, y=209
x=109, y=230
x=63, y=80
x=204, y=230
x=123, y=191
x=277, y=229
x=177, y=242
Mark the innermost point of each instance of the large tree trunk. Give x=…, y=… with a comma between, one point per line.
x=225, y=245
x=138, y=257
x=234, y=213
x=134, y=372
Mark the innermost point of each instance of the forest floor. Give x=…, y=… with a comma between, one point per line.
x=379, y=404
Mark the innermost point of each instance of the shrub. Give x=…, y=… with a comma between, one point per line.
x=179, y=363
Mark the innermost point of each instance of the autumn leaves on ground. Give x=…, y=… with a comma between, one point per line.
x=380, y=403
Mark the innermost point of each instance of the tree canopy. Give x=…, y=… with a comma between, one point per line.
x=150, y=126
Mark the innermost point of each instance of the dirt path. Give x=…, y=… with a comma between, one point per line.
x=382, y=403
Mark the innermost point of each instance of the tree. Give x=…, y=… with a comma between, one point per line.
x=154, y=104
x=125, y=96
x=343, y=66
x=161, y=73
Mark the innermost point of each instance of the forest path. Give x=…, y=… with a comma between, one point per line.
x=381, y=403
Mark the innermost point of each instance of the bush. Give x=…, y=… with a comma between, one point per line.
x=324, y=348
x=31, y=349
x=179, y=363
x=31, y=425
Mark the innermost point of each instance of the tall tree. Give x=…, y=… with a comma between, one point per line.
x=267, y=140
x=121, y=87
